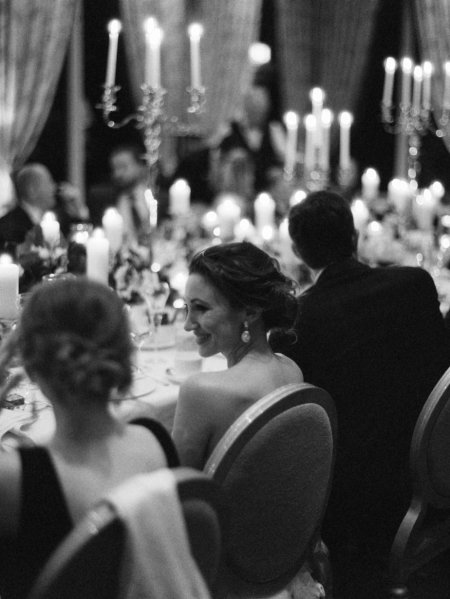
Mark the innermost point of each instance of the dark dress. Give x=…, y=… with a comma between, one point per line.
x=44, y=518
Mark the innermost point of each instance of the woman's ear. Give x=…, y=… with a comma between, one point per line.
x=252, y=314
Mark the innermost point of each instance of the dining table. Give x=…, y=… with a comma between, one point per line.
x=154, y=393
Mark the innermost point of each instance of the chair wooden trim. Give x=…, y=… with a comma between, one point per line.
x=231, y=447
x=424, y=532
x=87, y=565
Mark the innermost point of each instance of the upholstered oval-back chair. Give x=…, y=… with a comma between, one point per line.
x=425, y=530
x=275, y=467
x=89, y=564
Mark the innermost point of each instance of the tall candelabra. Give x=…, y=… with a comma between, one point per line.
x=151, y=116
x=414, y=117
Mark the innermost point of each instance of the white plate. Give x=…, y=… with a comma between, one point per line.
x=142, y=386
x=161, y=344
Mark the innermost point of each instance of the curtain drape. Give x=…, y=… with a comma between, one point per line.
x=33, y=41
x=229, y=29
x=432, y=22
x=323, y=43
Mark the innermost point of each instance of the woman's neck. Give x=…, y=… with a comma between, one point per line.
x=257, y=345
x=84, y=426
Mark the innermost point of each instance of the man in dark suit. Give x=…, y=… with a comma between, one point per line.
x=36, y=194
x=374, y=338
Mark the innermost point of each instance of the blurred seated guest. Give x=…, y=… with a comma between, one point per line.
x=126, y=191
x=247, y=158
x=374, y=338
x=235, y=294
x=37, y=193
x=74, y=341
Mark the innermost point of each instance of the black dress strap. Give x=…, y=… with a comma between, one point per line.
x=163, y=437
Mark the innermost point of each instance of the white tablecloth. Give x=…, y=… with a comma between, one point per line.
x=154, y=386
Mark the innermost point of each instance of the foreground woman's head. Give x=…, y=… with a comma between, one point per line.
x=74, y=336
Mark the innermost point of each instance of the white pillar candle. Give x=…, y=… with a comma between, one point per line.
x=298, y=196
x=310, y=129
x=114, y=28
x=179, y=198
x=424, y=210
x=228, y=214
x=446, y=101
x=290, y=156
x=324, y=155
x=438, y=190
x=153, y=38
x=345, y=122
x=399, y=194
x=152, y=206
x=9, y=291
x=244, y=230
x=264, y=207
x=360, y=213
x=418, y=77
x=427, y=70
x=50, y=229
x=112, y=223
x=195, y=32
x=370, y=183
x=210, y=220
x=97, y=258
x=390, y=65
x=407, y=68
x=317, y=96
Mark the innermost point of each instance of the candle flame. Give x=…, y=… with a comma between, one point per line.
x=317, y=95
x=150, y=25
x=195, y=31
x=390, y=64
x=407, y=65
x=345, y=119
x=326, y=117
x=259, y=53
x=114, y=27
x=427, y=68
x=291, y=119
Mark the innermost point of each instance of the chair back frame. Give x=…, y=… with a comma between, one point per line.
x=234, y=442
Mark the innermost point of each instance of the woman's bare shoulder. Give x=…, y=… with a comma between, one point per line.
x=205, y=385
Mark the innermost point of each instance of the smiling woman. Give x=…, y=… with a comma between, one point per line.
x=235, y=295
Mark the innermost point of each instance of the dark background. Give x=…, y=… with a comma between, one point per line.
x=371, y=145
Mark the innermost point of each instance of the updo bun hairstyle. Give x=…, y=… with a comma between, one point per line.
x=248, y=277
x=74, y=334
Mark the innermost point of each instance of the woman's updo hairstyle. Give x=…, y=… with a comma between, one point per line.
x=248, y=277
x=74, y=334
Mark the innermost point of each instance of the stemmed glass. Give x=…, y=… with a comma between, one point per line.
x=138, y=336
x=156, y=294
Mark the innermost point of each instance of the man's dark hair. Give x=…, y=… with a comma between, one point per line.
x=322, y=229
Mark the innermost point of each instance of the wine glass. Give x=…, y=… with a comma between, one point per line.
x=138, y=335
x=156, y=294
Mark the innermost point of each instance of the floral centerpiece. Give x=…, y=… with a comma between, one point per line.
x=36, y=258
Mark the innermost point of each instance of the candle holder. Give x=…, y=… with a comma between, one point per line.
x=316, y=179
x=150, y=115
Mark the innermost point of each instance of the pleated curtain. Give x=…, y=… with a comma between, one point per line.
x=229, y=28
x=432, y=22
x=323, y=43
x=34, y=36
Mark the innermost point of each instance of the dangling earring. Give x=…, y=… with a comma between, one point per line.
x=245, y=335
